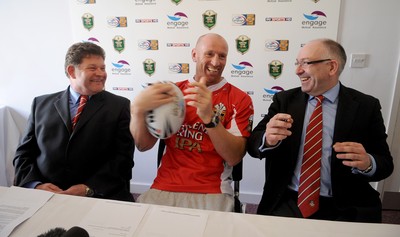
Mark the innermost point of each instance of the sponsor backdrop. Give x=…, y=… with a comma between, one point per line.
x=151, y=40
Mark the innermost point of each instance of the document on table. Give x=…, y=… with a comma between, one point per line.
x=18, y=204
x=113, y=218
x=174, y=222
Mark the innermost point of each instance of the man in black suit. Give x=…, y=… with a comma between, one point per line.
x=93, y=159
x=354, y=147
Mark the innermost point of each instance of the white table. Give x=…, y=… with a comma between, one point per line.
x=9, y=138
x=67, y=211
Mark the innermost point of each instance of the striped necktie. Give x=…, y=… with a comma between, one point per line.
x=309, y=187
x=82, y=103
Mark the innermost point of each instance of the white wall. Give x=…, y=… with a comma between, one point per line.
x=36, y=34
x=374, y=29
x=34, y=38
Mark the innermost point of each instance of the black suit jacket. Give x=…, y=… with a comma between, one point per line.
x=98, y=153
x=358, y=119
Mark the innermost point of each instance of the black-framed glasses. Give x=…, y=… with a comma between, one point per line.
x=305, y=63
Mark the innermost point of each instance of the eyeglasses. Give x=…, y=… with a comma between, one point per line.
x=306, y=63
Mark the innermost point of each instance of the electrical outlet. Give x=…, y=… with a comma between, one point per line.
x=358, y=60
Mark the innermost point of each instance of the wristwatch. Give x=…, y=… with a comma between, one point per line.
x=214, y=122
x=89, y=192
x=367, y=170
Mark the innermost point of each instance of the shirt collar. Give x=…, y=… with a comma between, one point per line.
x=331, y=95
x=74, y=95
x=214, y=87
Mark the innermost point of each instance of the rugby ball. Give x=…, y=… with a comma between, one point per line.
x=164, y=121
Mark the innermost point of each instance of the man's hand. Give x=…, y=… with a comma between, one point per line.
x=277, y=129
x=76, y=190
x=199, y=96
x=153, y=96
x=352, y=154
x=49, y=187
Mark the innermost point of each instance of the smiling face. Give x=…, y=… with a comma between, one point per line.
x=210, y=55
x=89, y=77
x=319, y=77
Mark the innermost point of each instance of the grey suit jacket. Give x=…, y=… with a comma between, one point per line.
x=358, y=119
x=98, y=153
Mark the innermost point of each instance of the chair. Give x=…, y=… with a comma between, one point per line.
x=237, y=174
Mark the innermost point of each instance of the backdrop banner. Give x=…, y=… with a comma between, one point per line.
x=151, y=40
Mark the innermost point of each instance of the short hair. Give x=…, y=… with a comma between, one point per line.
x=78, y=51
x=335, y=50
x=200, y=39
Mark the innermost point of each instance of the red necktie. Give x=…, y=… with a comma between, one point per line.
x=82, y=103
x=308, y=195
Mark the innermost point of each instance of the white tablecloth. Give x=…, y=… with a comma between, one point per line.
x=66, y=211
x=9, y=138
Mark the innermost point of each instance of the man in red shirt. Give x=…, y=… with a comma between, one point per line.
x=197, y=165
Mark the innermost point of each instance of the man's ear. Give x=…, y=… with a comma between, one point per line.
x=194, y=55
x=71, y=71
x=334, y=67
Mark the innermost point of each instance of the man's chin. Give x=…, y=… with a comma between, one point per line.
x=305, y=89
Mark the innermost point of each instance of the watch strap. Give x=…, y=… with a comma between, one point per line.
x=89, y=192
x=213, y=123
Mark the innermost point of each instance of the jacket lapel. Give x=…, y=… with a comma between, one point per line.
x=345, y=115
x=62, y=107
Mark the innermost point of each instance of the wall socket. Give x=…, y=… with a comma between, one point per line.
x=358, y=60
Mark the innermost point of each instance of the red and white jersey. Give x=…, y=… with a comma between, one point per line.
x=191, y=163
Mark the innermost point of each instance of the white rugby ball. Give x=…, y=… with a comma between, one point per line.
x=164, y=121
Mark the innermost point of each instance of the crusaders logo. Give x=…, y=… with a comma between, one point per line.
x=119, y=43
x=275, y=68
x=243, y=44
x=149, y=66
x=209, y=19
x=88, y=21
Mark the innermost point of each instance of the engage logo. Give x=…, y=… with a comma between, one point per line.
x=316, y=20
x=243, y=70
x=178, y=21
x=92, y=40
x=271, y=92
x=121, y=68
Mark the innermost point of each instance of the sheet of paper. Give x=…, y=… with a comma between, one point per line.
x=17, y=205
x=174, y=222
x=113, y=218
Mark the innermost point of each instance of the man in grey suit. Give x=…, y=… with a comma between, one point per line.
x=95, y=158
x=354, y=147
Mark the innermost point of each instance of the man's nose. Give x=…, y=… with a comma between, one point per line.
x=216, y=60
